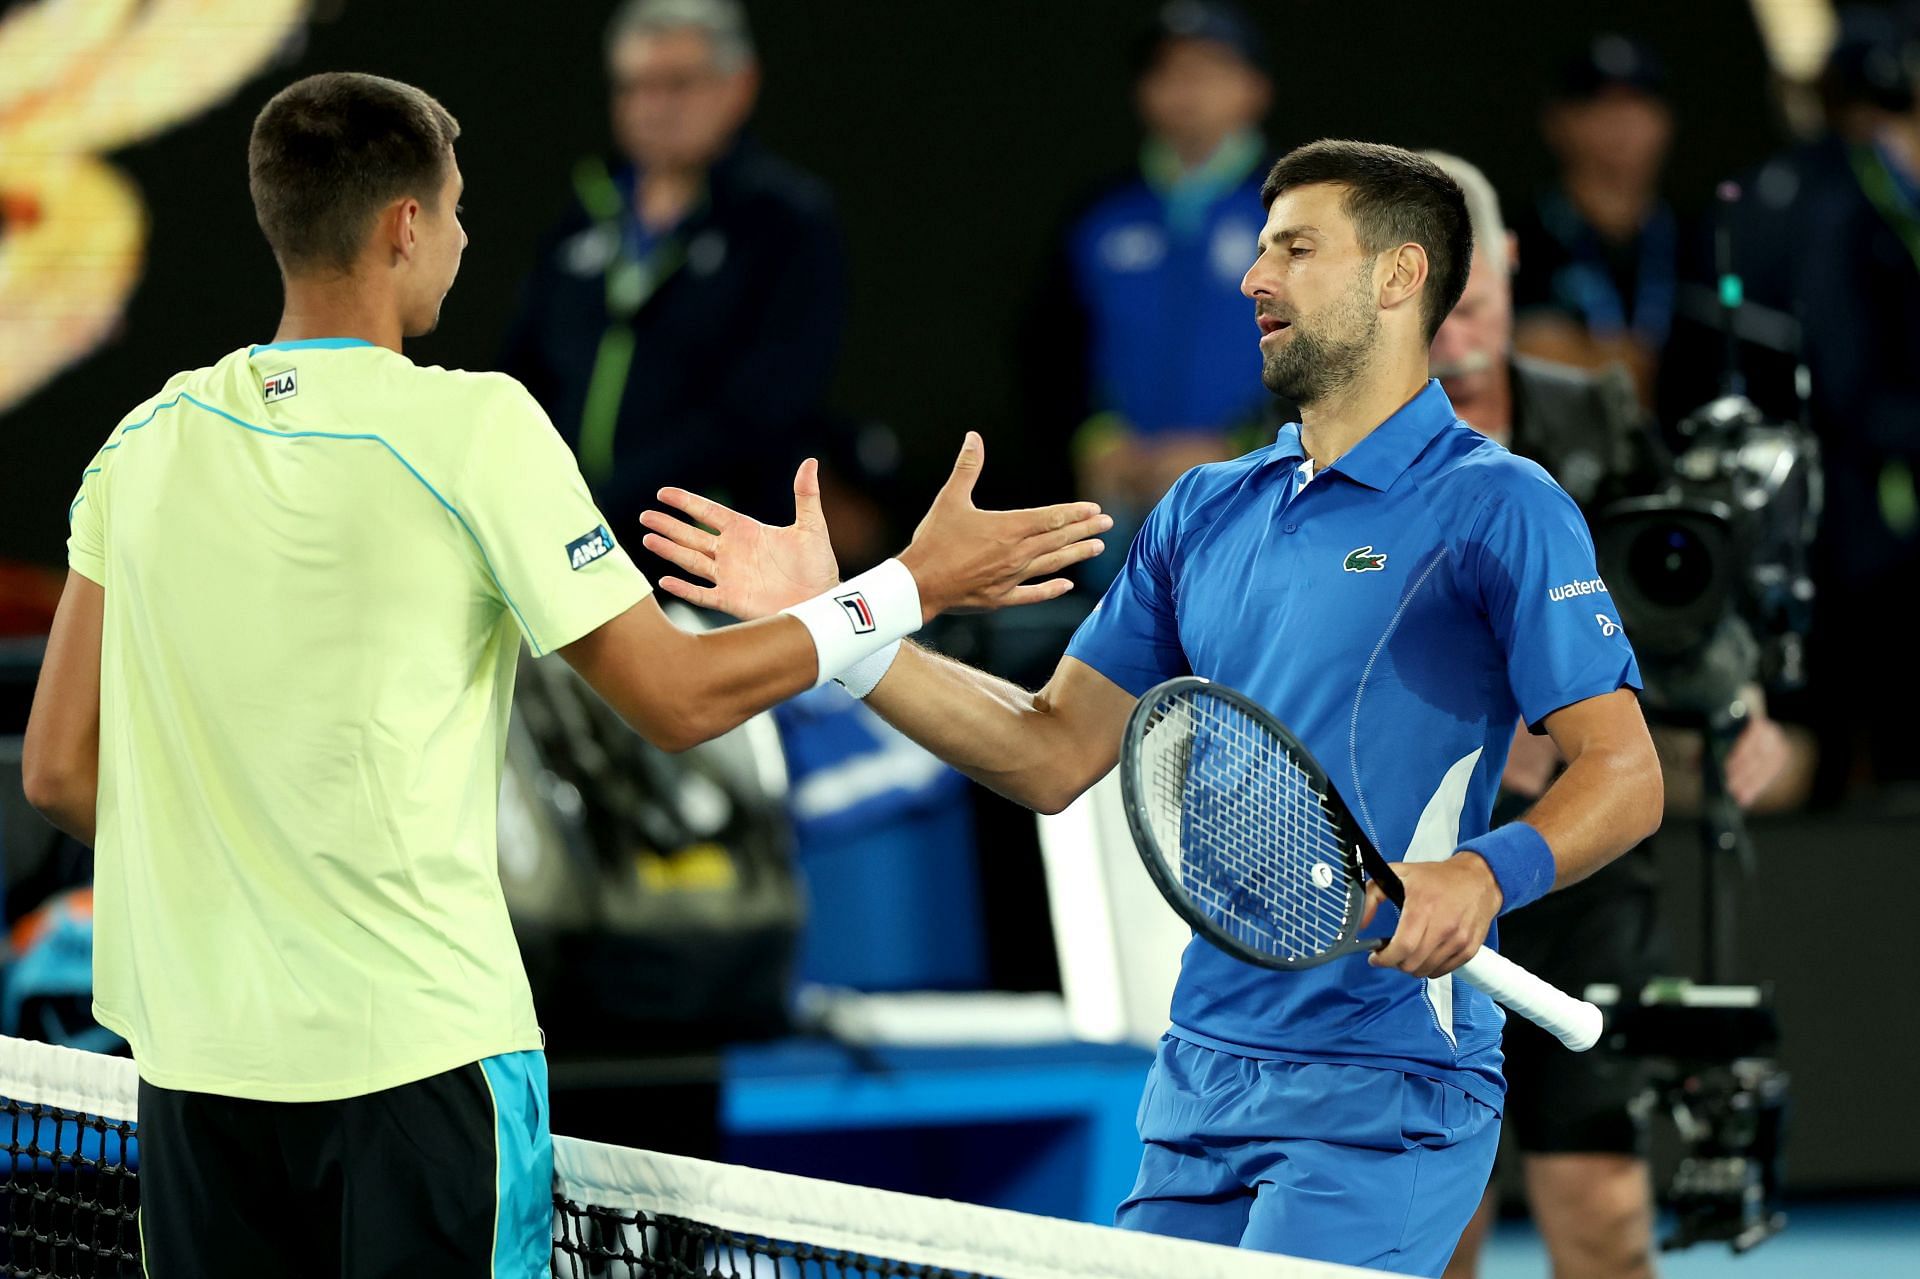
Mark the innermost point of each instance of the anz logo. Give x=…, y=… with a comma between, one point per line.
x=582, y=551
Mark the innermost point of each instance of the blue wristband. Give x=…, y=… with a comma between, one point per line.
x=1521, y=863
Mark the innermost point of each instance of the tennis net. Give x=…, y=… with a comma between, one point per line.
x=69, y=1198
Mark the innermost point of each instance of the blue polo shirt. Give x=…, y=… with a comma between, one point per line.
x=1400, y=611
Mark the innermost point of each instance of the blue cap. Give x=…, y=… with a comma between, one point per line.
x=1611, y=62
x=1216, y=21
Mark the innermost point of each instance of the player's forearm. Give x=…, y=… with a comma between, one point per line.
x=732, y=674
x=69, y=801
x=679, y=688
x=1609, y=799
x=1008, y=739
x=60, y=757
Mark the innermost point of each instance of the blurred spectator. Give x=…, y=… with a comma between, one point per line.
x=1141, y=349
x=1599, y=252
x=1825, y=238
x=1584, y=1148
x=1869, y=73
x=681, y=324
x=1857, y=293
x=1863, y=88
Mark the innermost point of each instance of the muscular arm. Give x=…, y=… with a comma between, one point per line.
x=60, y=767
x=1038, y=749
x=1608, y=799
x=679, y=688
x=1611, y=795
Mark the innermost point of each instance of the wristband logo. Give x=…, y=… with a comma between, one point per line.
x=858, y=611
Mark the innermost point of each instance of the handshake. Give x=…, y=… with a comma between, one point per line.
x=961, y=557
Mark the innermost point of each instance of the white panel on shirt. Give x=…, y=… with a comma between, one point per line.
x=1435, y=838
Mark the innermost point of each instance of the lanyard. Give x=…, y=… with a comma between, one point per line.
x=631, y=282
x=1892, y=198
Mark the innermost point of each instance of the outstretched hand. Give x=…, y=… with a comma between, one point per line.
x=965, y=558
x=756, y=569
x=961, y=557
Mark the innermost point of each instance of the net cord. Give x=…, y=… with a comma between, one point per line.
x=930, y=1232
x=961, y=1237
x=90, y=1083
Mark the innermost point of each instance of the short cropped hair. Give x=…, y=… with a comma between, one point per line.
x=330, y=151
x=723, y=22
x=1394, y=197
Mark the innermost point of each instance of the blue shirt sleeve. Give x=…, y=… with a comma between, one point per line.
x=1132, y=636
x=1529, y=561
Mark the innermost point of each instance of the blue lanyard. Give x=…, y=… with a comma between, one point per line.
x=1589, y=284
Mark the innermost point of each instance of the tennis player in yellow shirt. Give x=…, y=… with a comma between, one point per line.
x=276, y=697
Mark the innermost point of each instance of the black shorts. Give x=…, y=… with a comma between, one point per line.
x=451, y=1175
x=1562, y=1102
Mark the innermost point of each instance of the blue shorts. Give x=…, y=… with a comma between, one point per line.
x=1349, y=1164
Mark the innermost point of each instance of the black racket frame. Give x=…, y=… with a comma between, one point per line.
x=1361, y=855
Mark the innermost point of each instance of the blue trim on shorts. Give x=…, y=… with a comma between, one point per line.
x=523, y=1217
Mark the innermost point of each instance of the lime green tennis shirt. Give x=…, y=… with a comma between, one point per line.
x=319, y=560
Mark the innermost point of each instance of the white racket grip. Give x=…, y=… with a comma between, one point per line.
x=1574, y=1022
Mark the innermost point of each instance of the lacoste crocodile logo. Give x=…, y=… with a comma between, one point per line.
x=1365, y=560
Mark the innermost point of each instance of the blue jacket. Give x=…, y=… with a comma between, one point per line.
x=1170, y=342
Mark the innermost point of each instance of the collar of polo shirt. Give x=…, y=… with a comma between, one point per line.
x=1389, y=449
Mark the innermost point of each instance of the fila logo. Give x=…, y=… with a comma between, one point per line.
x=582, y=551
x=1365, y=560
x=859, y=612
x=1608, y=627
x=280, y=386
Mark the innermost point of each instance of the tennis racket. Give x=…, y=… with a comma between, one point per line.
x=1247, y=839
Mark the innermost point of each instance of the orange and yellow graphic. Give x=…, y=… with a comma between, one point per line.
x=79, y=78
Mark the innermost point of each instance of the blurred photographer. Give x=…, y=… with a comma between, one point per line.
x=1585, y=1164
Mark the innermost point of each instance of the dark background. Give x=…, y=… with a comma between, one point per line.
x=956, y=138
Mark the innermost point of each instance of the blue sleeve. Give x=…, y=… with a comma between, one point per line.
x=1529, y=561
x=1132, y=636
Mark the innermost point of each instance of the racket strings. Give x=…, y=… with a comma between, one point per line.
x=1259, y=850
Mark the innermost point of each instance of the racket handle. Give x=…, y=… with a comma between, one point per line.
x=1574, y=1022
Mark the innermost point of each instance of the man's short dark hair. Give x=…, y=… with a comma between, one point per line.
x=1394, y=197
x=330, y=151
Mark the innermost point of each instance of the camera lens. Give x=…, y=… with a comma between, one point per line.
x=1670, y=565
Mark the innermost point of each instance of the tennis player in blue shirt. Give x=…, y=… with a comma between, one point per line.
x=1398, y=590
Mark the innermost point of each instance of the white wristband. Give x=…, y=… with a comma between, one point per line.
x=860, y=617
x=865, y=675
